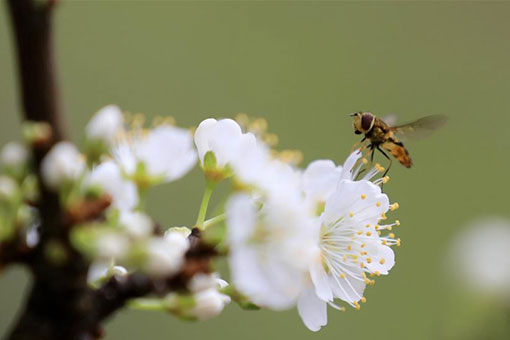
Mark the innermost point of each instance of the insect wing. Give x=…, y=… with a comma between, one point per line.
x=390, y=119
x=421, y=127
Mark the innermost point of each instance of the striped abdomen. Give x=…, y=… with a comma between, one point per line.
x=398, y=150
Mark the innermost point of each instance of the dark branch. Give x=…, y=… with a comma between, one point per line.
x=117, y=291
x=32, y=24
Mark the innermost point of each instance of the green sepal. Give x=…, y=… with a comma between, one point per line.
x=240, y=299
x=209, y=161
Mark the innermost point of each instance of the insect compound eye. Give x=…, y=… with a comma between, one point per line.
x=366, y=121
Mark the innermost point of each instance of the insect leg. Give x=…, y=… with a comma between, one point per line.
x=385, y=155
x=372, y=147
x=358, y=143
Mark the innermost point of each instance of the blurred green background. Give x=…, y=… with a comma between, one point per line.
x=304, y=66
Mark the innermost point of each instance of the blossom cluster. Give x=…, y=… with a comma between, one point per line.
x=304, y=238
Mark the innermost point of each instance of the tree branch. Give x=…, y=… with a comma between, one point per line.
x=60, y=304
x=32, y=24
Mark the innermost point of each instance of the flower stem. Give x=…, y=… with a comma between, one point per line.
x=212, y=221
x=209, y=188
x=142, y=197
x=146, y=304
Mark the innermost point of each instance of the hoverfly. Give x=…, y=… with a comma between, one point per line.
x=382, y=136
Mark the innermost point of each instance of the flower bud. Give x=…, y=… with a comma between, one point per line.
x=112, y=245
x=61, y=165
x=105, y=124
x=14, y=154
x=166, y=255
x=8, y=188
x=136, y=224
x=209, y=303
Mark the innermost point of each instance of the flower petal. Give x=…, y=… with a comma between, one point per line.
x=320, y=281
x=320, y=179
x=312, y=310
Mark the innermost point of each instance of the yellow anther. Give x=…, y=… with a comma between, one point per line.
x=397, y=223
x=363, y=253
x=356, y=305
x=351, y=214
x=359, y=232
x=362, y=245
x=391, y=235
x=372, y=274
x=367, y=281
x=372, y=282
x=369, y=233
x=376, y=227
x=342, y=309
x=385, y=179
x=362, y=265
x=363, y=196
x=384, y=242
x=369, y=260
x=367, y=226
x=394, y=206
x=377, y=273
x=389, y=227
x=363, y=275
x=381, y=261
x=349, y=247
x=364, y=160
x=398, y=243
x=378, y=204
x=342, y=276
x=383, y=216
x=363, y=299
x=378, y=167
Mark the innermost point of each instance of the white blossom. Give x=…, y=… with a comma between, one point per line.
x=106, y=124
x=320, y=180
x=109, y=177
x=222, y=137
x=136, y=223
x=61, y=165
x=165, y=153
x=14, y=154
x=480, y=258
x=165, y=255
x=350, y=248
x=270, y=249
